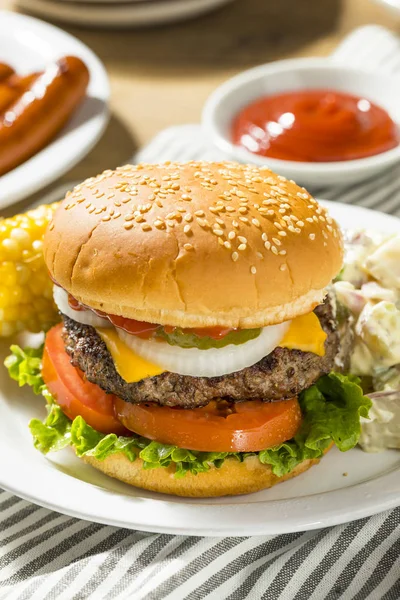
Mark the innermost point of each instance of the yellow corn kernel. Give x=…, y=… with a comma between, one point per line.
x=26, y=300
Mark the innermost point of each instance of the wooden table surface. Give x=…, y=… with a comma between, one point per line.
x=162, y=76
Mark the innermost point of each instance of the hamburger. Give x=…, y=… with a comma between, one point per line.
x=199, y=348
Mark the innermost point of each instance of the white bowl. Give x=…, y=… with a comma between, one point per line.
x=304, y=73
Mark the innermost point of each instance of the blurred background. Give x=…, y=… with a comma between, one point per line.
x=162, y=75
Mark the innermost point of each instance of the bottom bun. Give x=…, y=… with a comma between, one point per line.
x=232, y=479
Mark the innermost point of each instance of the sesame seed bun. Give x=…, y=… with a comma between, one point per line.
x=231, y=479
x=194, y=244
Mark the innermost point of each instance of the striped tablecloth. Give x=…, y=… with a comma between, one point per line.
x=48, y=556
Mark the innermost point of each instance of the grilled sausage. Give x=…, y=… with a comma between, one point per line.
x=35, y=118
x=5, y=71
x=13, y=87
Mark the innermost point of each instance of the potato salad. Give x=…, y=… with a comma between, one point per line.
x=368, y=291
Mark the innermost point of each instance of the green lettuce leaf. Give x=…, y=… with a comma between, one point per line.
x=24, y=366
x=331, y=409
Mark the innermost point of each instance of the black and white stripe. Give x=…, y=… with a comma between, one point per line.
x=47, y=556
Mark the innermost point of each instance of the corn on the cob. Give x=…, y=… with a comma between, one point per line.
x=26, y=301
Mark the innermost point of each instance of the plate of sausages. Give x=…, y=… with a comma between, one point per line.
x=53, y=104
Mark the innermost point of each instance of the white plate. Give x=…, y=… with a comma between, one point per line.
x=28, y=45
x=121, y=14
x=321, y=497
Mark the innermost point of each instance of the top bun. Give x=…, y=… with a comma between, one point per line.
x=194, y=244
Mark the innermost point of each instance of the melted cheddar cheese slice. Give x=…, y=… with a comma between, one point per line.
x=305, y=333
x=129, y=365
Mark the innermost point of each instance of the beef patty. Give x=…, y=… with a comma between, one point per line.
x=282, y=374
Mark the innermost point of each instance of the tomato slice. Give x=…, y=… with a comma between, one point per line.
x=138, y=328
x=221, y=427
x=145, y=330
x=72, y=392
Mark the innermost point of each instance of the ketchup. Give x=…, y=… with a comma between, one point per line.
x=146, y=330
x=314, y=126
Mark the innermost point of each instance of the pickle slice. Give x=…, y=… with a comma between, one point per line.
x=189, y=340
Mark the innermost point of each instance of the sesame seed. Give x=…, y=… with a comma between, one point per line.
x=220, y=241
x=256, y=222
x=139, y=219
x=235, y=224
x=312, y=236
x=231, y=235
x=242, y=239
x=300, y=224
x=276, y=241
x=186, y=197
x=188, y=247
x=187, y=229
x=213, y=209
x=199, y=213
x=270, y=212
x=282, y=233
x=309, y=220
x=274, y=250
x=283, y=267
x=146, y=227
x=242, y=247
x=218, y=232
x=106, y=218
x=228, y=245
x=235, y=256
x=267, y=245
x=159, y=224
x=220, y=222
x=282, y=252
x=253, y=270
x=264, y=237
x=242, y=210
x=259, y=255
x=243, y=219
x=128, y=225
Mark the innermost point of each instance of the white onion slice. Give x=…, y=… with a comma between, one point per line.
x=86, y=317
x=207, y=363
